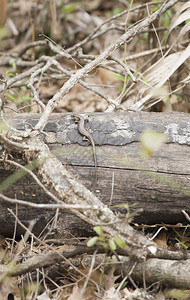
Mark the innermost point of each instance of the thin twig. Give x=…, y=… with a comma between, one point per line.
x=53, y=102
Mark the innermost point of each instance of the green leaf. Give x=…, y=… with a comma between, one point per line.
x=186, y=247
x=156, y=7
x=14, y=66
x=112, y=244
x=11, y=74
x=118, y=77
x=143, y=78
x=24, y=88
x=117, y=11
x=120, y=242
x=68, y=9
x=92, y=241
x=98, y=230
x=151, y=142
x=124, y=285
x=166, y=18
x=26, y=99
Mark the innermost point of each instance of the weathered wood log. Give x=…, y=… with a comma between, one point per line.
x=160, y=185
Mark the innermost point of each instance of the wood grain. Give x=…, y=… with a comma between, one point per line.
x=160, y=185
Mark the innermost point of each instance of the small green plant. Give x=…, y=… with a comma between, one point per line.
x=17, y=98
x=14, y=70
x=156, y=7
x=103, y=241
x=67, y=8
x=166, y=18
x=184, y=246
x=121, y=78
x=116, y=11
x=13, y=95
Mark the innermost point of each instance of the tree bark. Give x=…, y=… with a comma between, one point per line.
x=160, y=184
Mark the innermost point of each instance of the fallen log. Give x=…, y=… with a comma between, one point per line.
x=160, y=184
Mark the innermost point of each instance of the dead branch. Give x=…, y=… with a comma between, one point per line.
x=93, y=64
x=174, y=273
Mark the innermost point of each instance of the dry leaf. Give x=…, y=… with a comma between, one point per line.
x=8, y=286
x=75, y=293
x=180, y=19
x=158, y=74
x=109, y=279
x=161, y=240
x=111, y=294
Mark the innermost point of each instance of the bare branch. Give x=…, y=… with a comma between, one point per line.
x=93, y=64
